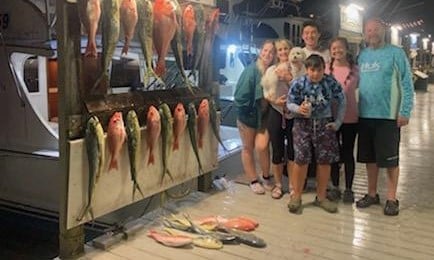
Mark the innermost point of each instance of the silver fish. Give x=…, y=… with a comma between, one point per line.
x=110, y=37
x=192, y=130
x=95, y=147
x=215, y=121
x=166, y=136
x=247, y=238
x=134, y=142
x=145, y=30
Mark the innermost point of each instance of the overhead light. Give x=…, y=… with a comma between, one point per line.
x=356, y=6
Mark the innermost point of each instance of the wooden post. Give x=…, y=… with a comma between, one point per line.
x=71, y=242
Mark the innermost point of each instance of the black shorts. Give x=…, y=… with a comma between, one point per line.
x=378, y=142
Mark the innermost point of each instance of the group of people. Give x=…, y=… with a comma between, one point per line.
x=314, y=119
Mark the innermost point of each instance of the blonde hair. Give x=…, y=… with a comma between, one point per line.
x=280, y=42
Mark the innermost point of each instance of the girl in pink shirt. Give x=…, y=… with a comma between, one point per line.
x=345, y=71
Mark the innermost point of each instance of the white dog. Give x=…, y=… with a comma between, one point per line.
x=270, y=81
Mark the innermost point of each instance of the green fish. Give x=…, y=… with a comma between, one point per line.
x=145, y=27
x=192, y=130
x=215, y=121
x=110, y=37
x=166, y=136
x=95, y=147
x=134, y=142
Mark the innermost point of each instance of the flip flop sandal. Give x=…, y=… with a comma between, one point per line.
x=276, y=192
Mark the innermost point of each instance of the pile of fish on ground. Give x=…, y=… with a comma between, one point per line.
x=159, y=122
x=207, y=232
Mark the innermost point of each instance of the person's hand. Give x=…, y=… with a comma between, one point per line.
x=305, y=109
x=402, y=121
x=331, y=126
x=281, y=101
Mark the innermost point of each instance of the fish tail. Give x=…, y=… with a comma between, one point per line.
x=151, y=159
x=137, y=187
x=113, y=164
x=175, y=145
x=160, y=69
x=90, y=50
x=125, y=49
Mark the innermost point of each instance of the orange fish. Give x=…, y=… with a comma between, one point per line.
x=179, y=124
x=170, y=240
x=240, y=224
x=165, y=26
x=116, y=137
x=189, y=27
x=129, y=17
x=153, y=128
x=202, y=121
x=90, y=13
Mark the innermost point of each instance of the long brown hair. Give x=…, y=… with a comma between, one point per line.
x=348, y=57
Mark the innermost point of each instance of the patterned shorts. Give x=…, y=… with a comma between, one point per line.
x=311, y=135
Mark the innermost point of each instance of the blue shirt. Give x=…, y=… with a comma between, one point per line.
x=321, y=95
x=386, y=86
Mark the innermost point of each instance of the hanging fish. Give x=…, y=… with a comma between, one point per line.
x=164, y=29
x=110, y=37
x=179, y=124
x=153, y=129
x=129, y=16
x=166, y=137
x=90, y=12
x=192, y=125
x=116, y=136
x=145, y=31
x=134, y=141
x=202, y=121
x=95, y=147
x=199, y=36
x=189, y=27
x=215, y=121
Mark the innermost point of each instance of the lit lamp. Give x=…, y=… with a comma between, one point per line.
x=425, y=42
x=394, y=37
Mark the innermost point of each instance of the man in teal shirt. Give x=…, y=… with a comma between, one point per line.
x=385, y=102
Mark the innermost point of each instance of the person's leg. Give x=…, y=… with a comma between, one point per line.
x=349, y=133
x=276, y=134
x=322, y=178
x=372, y=170
x=289, y=151
x=247, y=136
x=263, y=151
x=392, y=182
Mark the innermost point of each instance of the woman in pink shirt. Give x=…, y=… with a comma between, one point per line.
x=345, y=71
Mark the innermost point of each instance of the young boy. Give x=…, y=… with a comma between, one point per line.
x=310, y=98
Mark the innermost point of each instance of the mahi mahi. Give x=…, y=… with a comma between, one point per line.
x=110, y=37
x=192, y=130
x=166, y=137
x=134, y=142
x=95, y=147
x=215, y=121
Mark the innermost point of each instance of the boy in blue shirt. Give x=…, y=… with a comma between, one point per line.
x=310, y=98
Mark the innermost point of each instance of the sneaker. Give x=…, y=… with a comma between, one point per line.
x=294, y=205
x=334, y=194
x=327, y=205
x=348, y=196
x=367, y=201
x=267, y=183
x=391, y=208
x=256, y=187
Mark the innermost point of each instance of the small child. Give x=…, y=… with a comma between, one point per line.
x=310, y=98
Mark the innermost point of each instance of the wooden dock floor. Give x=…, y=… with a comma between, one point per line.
x=350, y=234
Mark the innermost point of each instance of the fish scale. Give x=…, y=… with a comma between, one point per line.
x=192, y=125
x=166, y=137
x=134, y=142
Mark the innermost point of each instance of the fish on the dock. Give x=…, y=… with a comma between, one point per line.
x=215, y=122
x=164, y=28
x=129, y=17
x=207, y=242
x=90, y=12
x=145, y=31
x=202, y=121
x=153, y=130
x=95, y=147
x=134, y=141
x=189, y=27
x=247, y=238
x=110, y=37
x=239, y=224
x=166, y=137
x=170, y=240
x=179, y=124
x=116, y=137
x=192, y=131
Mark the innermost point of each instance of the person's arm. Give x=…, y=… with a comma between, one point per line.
x=242, y=95
x=294, y=98
x=339, y=96
x=407, y=88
